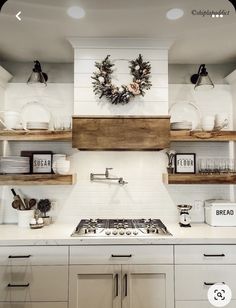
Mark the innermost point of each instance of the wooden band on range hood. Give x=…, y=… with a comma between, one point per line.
x=121, y=133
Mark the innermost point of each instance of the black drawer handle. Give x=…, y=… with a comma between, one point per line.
x=211, y=283
x=19, y=257
x=121, y=256
x=213, y=256
x=18, y=285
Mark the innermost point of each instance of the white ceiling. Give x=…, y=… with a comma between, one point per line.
x=45, y=26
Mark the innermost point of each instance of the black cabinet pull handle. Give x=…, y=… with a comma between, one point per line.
x=18, y=285
x=126, y=284
x=211, y=283
x=121, y=256
x=19, y=257
x=213, y=256
x=117, y=285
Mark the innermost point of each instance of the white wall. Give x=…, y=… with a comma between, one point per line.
x=145, y=195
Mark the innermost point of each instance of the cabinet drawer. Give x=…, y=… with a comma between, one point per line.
x=33, y=283
x=121, y=254
x=198, y=304
x=34, y=255
x=189, y=280
x=205, y=254
x=34, y=305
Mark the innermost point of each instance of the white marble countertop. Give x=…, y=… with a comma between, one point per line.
x=59, y=234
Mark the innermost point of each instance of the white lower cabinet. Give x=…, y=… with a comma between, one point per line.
x=95, y=286
x=193, y=281
x=200, y=304
x=116, y=286
x=149, y=286
x=33, y=283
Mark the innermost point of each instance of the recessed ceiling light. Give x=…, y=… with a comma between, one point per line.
x=174, y=14
x=76, y=12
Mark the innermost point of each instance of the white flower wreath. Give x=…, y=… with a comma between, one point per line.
x=103, y=86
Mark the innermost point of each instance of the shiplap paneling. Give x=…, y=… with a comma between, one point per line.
x=128, y=54
x=152, y=95
x=140, y=107
x=121, y=67
x=155, y=101
x=85, y=80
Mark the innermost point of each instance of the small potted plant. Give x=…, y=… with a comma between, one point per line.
x=170, y=155
x=44, y=205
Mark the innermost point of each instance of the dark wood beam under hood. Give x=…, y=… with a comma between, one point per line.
x=133, y=133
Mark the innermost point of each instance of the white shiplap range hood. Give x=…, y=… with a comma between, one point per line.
x=154, y=104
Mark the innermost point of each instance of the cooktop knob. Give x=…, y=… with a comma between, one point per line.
x=122, y=232
x=128, y=232
x=135, y=232
x=114, y=232
x=108, y=232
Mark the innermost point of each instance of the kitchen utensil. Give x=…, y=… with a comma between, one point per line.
x=184, y=216
x=32, y=203
x=185, y=112
x=16, y=204
x=35, y=112
x=10, y=119
x=22, y=205
x=220, y=213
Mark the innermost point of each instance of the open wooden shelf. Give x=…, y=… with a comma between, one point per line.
x=201, y=136
x=35, y=135
x=37, y=179
x=199, y=178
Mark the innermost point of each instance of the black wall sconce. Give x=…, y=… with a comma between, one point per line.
x=202, y=79
x=38, y=77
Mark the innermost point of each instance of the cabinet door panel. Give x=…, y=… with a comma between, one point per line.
x=33, y=283
x=147, y=286
x=33, y=305
x=200, y=304
x=95, y=286
x=190, y=280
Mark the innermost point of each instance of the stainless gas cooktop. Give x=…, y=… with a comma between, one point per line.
x=121, y=228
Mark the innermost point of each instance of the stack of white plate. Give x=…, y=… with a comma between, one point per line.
x=14, y=164
x=37, y=125
x=184, y=125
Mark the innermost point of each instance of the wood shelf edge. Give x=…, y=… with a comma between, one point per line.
x=199, y=179
x=199, y=136
x=38, y=179
x=37, y=135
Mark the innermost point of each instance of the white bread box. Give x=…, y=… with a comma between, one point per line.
x=220, y=213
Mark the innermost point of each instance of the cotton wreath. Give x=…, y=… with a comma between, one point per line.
x=103, y=86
